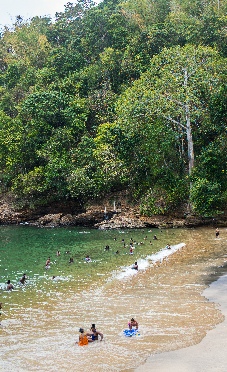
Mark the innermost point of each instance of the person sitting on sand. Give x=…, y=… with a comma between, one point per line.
x=94, y=334
x=83, y=340
x=133, y=323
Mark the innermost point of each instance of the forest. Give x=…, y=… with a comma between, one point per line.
x=123, y=95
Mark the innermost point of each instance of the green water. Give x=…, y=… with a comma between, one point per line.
x=25, y=249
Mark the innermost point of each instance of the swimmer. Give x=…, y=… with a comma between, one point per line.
x=155, y=237
x=71, y=260
x=9, y=286
x=83, y=339
x=107, y=248
x=133, y=323
x=23, y=279
x=47, y=266
x=135, y=266
x=87, y=258
x=94, y=334
x=117, y=252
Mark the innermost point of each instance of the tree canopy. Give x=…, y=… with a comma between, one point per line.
x=123, y=95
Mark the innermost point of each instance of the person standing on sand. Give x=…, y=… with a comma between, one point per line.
x=0, y=310
x=217, y=232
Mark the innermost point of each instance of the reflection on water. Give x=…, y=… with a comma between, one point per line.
x=41, y=320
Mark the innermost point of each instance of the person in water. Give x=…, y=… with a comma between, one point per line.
x=168, y=246
x=83, y=339
x=58, y=253
x=23, y=279
x=87, y=258
x=94, y=334
x=47, y=266
x=133, y=323
x=71, y=260
x=9, y=286
x=135, y=266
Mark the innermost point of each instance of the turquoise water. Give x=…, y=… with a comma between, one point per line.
x=25, y=250
x=41, y=319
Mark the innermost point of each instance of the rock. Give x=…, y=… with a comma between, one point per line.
x=101, y=215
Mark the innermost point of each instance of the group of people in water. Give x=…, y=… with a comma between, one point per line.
x=10, y=286
x=107, y=249
x=91, y=336
x=94, y=335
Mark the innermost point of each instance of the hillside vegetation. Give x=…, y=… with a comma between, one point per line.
x=124, y=95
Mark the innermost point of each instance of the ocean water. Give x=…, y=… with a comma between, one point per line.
x=40, y=320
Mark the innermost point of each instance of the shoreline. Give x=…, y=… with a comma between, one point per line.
x=209, y=354
x=99, y=215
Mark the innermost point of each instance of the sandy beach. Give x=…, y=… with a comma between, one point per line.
x=210, y=354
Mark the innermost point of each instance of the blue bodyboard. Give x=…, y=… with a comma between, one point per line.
x=130, y=332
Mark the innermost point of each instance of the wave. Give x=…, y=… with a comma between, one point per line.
x=144, y=263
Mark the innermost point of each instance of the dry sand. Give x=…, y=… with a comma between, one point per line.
x=210, y=355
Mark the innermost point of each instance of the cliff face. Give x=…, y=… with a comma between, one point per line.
x=113, y=212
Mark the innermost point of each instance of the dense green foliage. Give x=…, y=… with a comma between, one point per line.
x=121, y=95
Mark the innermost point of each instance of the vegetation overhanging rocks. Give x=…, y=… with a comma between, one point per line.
x=123, y=96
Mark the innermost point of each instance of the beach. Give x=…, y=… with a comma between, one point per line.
x=208, y=355
x=167, y=295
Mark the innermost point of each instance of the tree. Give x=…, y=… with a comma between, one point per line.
x=176, y=93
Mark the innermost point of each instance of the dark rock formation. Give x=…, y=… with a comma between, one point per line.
x=107, y=214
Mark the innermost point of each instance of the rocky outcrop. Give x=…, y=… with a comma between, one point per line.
x=107, y=214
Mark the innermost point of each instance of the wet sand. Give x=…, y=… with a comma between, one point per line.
x=208, y=355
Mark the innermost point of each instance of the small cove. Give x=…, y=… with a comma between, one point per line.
x=43, y=317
